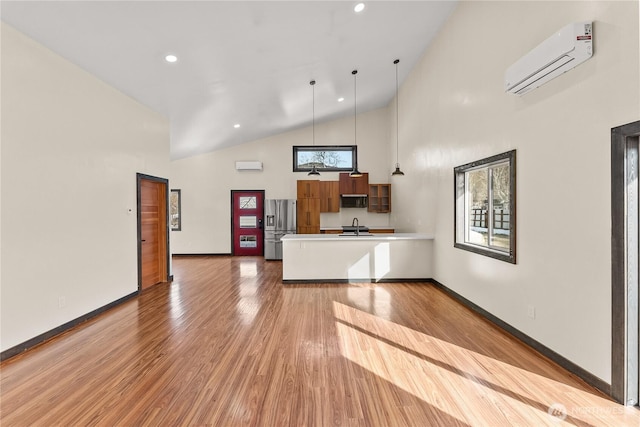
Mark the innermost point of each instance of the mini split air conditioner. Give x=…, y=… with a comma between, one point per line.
x=249, y=166
x=564, y=50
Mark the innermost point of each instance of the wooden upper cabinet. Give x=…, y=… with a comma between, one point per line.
x=308, y=189
x=329, y=196
x=349, y=185
x=380, y=198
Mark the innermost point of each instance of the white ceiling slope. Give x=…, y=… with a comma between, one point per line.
x=239, y=61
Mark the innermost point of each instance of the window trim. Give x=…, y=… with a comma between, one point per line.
x=460, y=228
x=310, y=148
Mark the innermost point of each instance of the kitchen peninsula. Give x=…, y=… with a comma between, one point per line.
x=308, y=258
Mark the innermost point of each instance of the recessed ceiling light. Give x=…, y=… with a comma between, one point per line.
x=171, y=58
x=237, y=125
x=359, y=7
x=340, y=99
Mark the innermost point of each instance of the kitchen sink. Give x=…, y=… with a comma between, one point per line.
x=353, y=233
x=353, y=228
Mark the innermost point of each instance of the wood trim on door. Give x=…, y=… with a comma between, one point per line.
x=164, y=225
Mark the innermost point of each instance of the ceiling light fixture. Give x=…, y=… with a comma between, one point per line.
x=171, y=58
x=397, y=172
x=355, y=173
x=340, y=99
x=359, y=7
x=314, y=171
x=237, y=125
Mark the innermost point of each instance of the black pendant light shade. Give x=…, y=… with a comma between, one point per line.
x=355, y=173
x=397, y=172
x=314, y=171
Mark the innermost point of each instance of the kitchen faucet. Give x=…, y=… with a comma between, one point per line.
x=356, y=223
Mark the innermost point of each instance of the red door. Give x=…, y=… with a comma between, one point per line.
x=247, y=212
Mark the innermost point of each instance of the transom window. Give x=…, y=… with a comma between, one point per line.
x=326, y=158
x=485, y=207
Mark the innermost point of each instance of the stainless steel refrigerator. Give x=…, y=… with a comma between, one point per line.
x=280, y=219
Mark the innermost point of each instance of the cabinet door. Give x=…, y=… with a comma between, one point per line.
x=374, y=201
x=308, y=216
x=308, y=189
x=385, y=197
x=349, y=185
x=361, y=184
x=329, y=196
x=345, y=183
x=380, y=198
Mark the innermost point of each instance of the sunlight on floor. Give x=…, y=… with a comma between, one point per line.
x=249, y=303
x=175, y=304
x=479, y=389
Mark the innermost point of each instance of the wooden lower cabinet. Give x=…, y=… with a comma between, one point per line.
x=331, y=231
x=382, y=230
x=308, y=213
x=372, y=231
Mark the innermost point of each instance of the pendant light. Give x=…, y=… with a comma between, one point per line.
x=397, y=172
x=355, y=173
x=314, y=171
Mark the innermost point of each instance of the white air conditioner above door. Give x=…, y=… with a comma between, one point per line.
x=564, y=50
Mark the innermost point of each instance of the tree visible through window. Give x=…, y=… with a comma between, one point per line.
x=332, y=158
x=485, y=206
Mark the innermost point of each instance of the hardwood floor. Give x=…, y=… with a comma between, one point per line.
x=226, y=344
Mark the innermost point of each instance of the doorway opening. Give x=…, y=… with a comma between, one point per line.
x=247, y=231
x=625, y=216
x=153, y=230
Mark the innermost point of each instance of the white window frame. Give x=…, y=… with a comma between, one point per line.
x=461, y=211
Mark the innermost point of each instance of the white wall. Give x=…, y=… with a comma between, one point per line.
x=454, y=110
x=71, y=147
x=206, y=181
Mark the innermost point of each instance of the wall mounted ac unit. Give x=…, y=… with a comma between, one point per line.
x=249, y=166
x=564, y=50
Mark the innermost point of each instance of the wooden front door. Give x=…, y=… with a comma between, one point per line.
x=247, y=211
x=152, y=231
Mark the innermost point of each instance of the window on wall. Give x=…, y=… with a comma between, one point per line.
x=326, y=158
x=485, y=217
x=174, y=210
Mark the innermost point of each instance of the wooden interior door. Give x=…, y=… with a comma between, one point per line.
x=152, y=231
x=247, y=222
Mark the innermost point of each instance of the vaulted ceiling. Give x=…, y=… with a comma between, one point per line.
x=238, y=62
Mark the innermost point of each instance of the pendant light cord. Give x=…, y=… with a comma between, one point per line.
x=355, y=109
x=313, y=111
x=397, y=102
x=397, y=172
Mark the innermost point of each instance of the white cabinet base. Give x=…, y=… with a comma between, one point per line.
x=375, y=258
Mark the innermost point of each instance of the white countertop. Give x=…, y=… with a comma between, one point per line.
x=373, y=236
x=372, y=227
